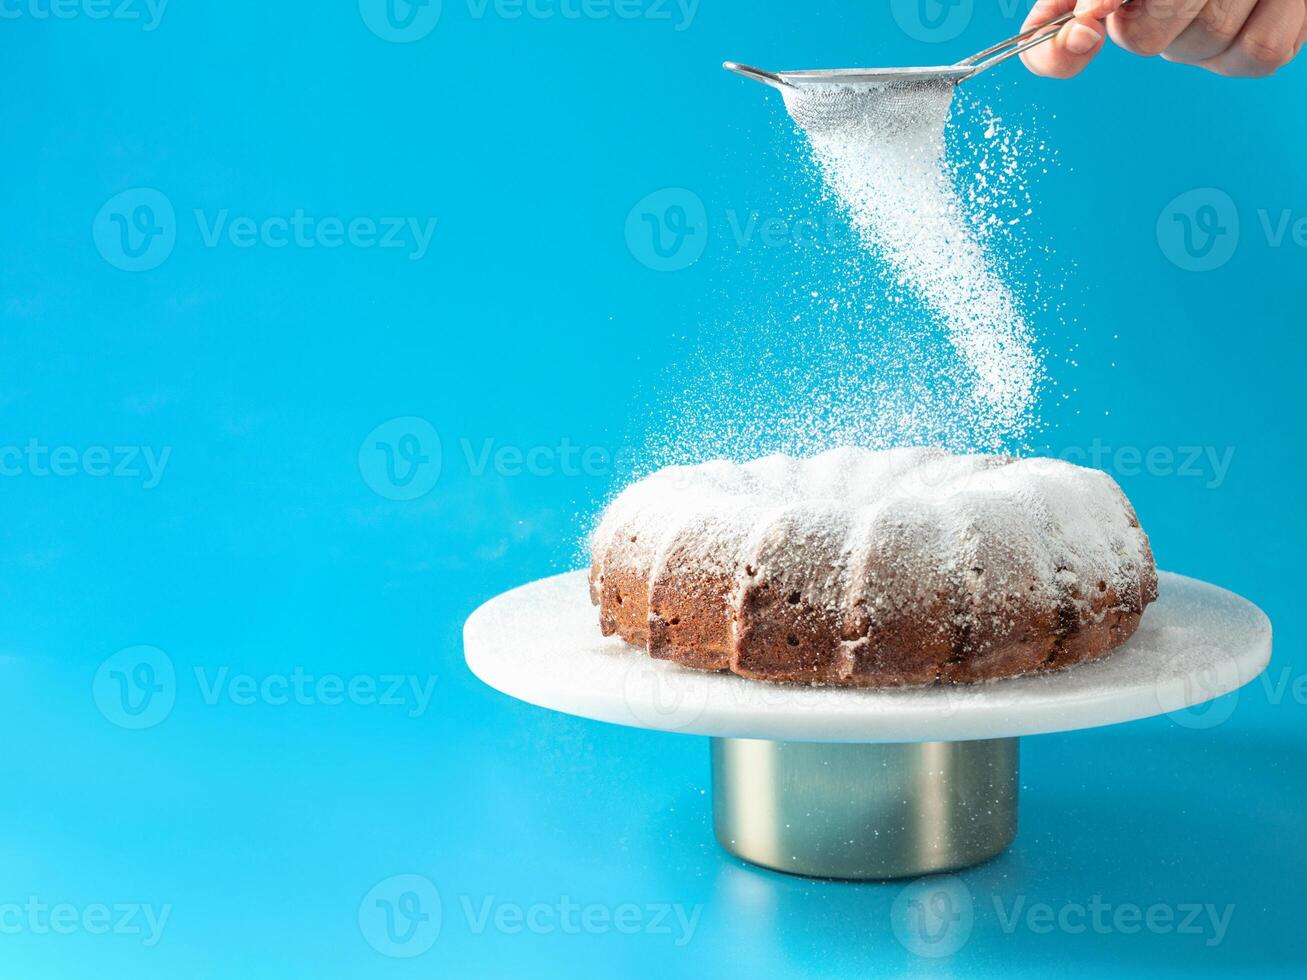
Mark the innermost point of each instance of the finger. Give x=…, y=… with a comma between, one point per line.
x=1071, y=50
x=1213, y=31
x=1302, y=35
x=1266, y=43
x=1097, y=9
x=1149, y=27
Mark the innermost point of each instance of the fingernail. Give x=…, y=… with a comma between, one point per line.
x=1087, y=8
x=1081, y=39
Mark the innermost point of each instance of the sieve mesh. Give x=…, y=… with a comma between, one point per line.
x=880, y=107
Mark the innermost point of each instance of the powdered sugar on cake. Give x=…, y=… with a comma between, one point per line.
x=1043, y=515
x=882, y=556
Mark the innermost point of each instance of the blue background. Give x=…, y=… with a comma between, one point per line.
x=264, y=547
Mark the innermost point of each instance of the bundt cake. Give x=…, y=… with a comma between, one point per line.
x=873, y=569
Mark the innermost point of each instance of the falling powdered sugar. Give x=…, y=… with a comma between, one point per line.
x=880, y=151
x=901, y=318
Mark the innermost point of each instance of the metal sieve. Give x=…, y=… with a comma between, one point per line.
x=818, y=99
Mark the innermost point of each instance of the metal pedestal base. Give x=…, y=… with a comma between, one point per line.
x=849, y=810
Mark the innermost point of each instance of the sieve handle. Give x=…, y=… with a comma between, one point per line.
x=757, y=74
x=1031, y=37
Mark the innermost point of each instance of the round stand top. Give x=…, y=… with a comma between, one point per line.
x=541, y=643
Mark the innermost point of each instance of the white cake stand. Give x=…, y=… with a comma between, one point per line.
x=846, y=783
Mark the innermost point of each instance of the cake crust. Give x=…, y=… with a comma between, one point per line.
x=873, y=569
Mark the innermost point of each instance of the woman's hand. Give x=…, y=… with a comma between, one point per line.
x=1241, y=38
